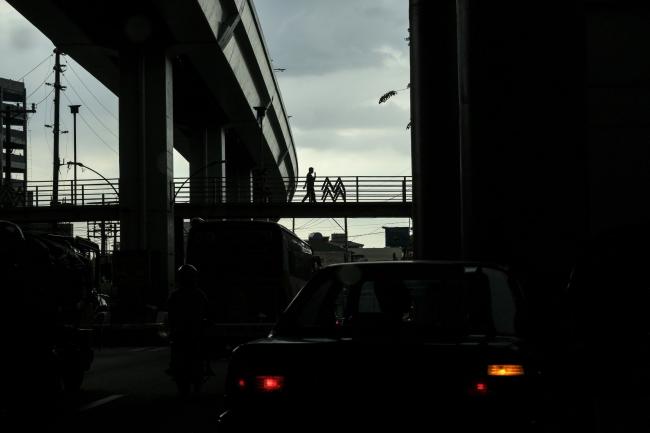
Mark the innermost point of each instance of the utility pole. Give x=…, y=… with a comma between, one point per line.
x=103, y=235
x=56, y=163
x=74, y=109
x=345, y=223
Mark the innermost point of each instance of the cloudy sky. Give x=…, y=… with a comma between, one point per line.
x=340, y=56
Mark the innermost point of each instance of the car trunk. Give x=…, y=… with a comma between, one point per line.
x=372, y=382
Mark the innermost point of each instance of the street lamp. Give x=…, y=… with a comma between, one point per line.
x=197, y=171
x=69, y=163
x=74, y=109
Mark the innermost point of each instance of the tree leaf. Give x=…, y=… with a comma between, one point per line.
x=386, y=96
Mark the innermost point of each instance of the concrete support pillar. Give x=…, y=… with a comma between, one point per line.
x=435, y=141
x=146, y=173
x=238, y=174
x=207, y=148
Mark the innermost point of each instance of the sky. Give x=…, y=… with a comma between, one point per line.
x=339, y=57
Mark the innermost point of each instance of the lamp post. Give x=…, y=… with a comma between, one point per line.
x=197, y=171
x=69, y=163
x=74, y=109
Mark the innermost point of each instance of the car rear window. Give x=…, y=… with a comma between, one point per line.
x=422, y=302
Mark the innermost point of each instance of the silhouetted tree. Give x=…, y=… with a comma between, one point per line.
x=386, y=96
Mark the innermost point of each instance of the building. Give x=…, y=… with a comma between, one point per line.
x=13, y=145
x=398, y=236
x=339, y=239
x=333, y=251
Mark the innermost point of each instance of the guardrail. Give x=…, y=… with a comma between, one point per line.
x=88, y=192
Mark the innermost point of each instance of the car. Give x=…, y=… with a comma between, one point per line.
x=365, y=344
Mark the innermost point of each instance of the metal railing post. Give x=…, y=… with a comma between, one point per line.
x=357, y=183
x=83, y=195
x=73, y=197
x=103, y=201
x=36, y=195
x=404, y=189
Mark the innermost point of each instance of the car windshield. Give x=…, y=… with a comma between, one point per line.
x=413, y=301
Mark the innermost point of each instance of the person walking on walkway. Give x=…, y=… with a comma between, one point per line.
x=310, y=180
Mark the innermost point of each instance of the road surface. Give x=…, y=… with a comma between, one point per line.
x=127, y=390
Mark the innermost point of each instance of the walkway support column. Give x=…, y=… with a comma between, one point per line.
x=435, y=150
x=207, y=148
x=146, y=173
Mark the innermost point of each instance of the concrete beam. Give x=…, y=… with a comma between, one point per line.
x=65, y=213
x=295, y=210
x=225, y=210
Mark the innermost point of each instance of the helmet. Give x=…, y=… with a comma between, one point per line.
x=188, y=276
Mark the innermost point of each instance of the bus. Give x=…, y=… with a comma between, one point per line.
x=249, y=271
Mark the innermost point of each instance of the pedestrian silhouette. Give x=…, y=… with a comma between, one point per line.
x=188, y=312
x=310, y=179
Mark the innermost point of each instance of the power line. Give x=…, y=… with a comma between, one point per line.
x=88, y=108
x=91, y=128
x=40, y=85
x=337, y=223
x=366, y=234
x=97, y=135
x=46, y=117
x=91, y=93
x=375, y=224
x=306, y=224
x=35, y=67
x=309, y=224
x=48, y=95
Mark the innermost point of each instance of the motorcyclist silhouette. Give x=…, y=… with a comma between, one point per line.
x=188, y=312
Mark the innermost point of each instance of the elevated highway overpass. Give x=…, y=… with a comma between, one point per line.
x=189, y=75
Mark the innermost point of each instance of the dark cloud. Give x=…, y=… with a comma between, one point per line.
x=318, y=37
x=23, y=38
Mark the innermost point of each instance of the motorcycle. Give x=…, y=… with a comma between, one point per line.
x=189, y=367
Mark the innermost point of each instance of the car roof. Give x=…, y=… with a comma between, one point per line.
x=419, y=263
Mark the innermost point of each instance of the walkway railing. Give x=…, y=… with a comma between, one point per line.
x=347, y=189
x=338, y=189
x=40, y=193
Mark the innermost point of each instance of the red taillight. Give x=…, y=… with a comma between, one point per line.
x=479, y=388
x=270, y=383
x=242, y=384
